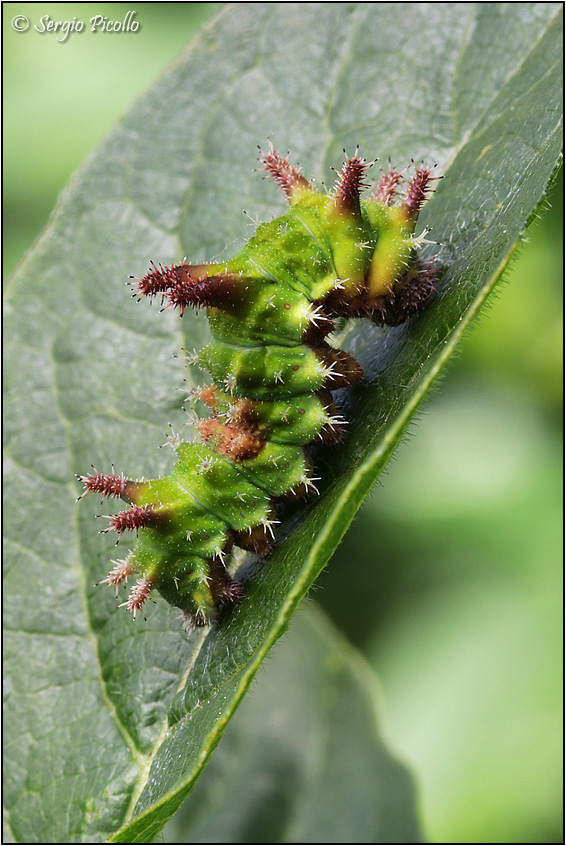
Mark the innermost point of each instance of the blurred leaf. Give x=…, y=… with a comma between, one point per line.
x=107, y=720
x=302, y=760
x=510, y=347
x=485, y=665
x=487, y=734
x=461, y=559
x=75, y=90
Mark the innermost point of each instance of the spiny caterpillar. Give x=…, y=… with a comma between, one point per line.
x=270, y=310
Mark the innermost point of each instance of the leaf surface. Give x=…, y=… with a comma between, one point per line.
x=303, y=761
x=109, y=724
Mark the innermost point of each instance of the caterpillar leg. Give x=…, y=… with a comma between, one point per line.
x=410, y=300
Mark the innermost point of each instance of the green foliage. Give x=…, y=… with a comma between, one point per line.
x=106, y=718
x=274, y=778
x=75, y=91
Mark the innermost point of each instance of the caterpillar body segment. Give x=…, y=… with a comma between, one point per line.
x=270, y=310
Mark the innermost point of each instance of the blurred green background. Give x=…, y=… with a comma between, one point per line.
x=450, y=580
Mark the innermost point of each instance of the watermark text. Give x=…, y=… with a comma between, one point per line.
x=63, y=29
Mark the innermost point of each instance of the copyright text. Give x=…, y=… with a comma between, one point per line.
x=63, y=29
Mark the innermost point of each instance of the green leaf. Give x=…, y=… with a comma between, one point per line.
x=109, y=724
x=275, y=776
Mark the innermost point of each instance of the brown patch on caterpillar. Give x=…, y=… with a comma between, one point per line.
x=287, y=176
x=414, y=295
x=242, y=414
x=256, y=540
x=343, y=369
x=320, y=326
x=222, y=586
x=350, y=183
x=230, y=441
x=338, y=305
x=207, y=395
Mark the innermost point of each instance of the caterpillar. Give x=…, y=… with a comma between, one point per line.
x=270, y=310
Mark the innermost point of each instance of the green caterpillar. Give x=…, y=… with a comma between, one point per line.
x=270, y=310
